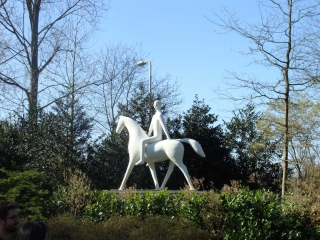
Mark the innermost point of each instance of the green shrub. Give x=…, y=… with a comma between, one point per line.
x=184, y=204
x=259, y=215
x=233, y=214
x=26, y=188
x=213, y=214
x=74, y=197
x=103, y=206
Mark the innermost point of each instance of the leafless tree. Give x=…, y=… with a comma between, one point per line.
x=72, y=73
x=281, y=38
x=117, y=75
x=34, y=34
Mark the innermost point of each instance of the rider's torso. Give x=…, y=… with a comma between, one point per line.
x=156, y=126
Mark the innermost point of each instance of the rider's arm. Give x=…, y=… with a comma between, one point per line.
x=164, y=126
x=150, y=128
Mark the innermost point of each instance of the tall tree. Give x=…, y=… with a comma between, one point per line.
x=34, y=35
x=76, y=127
x=304, y=132
x=282, y=37
x=217, y=168
x=255, y=153
x=63, y=139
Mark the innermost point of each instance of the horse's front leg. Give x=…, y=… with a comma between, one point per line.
x=152, y=168
x=128, y=172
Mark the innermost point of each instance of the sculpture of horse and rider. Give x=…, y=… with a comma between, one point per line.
x=156, y=150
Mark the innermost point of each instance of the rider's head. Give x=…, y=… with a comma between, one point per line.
x=157, y=105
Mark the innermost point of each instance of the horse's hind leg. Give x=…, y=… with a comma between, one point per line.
x=126, y=176
x=184, y=170
x=154, y=175
x=168, y=174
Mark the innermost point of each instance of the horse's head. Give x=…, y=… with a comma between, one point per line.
x=132, y=126
x=120, y=125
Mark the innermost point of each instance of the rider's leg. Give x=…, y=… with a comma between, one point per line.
x=142, y=148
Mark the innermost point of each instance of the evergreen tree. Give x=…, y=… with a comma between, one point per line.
x=253, y=151
x=62, y=138
x=13, y=144
x=107, y=162
x=72, y=133
x=197, y=123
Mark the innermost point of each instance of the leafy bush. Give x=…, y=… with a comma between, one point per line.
x=184, y=204
x=259, y=215
x=26, y=188
x=213, y=214
x=74, y=197
x=304, y=199
x=106, y=204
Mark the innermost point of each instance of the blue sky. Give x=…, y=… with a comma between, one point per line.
x=181, y=41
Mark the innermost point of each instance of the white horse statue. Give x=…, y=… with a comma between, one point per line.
x=156, y=152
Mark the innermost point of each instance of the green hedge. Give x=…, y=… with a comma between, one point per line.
x=260, y=215
x=239, y=215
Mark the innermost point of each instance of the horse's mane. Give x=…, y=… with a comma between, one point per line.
x=135, y=125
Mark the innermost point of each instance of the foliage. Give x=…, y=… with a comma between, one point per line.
x=181, y=204
x=254, y=152
x=106, y=165
x=236, y=213
x=76, y=127
x=62, y=141
x=74, y=197
x=304, y=132
x=217, y=168
x=131, y=204
x=70, y=128
x=259, y=215
x=28, y=189
x=13, y=145
x=304, y=199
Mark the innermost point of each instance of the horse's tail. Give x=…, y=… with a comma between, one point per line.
x=194, y=144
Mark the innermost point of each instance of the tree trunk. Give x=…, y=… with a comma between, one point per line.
x=286, y=101
x=34, y=9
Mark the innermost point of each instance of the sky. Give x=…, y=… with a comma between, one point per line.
x=180, y=41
